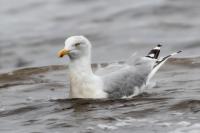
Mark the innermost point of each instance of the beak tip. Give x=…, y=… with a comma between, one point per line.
x=62, y=53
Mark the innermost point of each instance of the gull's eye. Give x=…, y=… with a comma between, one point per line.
x=77, y=44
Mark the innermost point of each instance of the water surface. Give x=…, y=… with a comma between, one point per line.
x=36, y=100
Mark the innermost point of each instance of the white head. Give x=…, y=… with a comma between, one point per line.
x=76, y=47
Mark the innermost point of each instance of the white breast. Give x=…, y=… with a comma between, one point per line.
x=83, y=85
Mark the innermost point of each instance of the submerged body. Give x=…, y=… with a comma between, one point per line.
x=131, y=77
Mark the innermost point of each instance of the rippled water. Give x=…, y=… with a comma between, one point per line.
x=33, y=98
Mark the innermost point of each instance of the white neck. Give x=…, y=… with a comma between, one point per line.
x=81, y=65
x=83, y=82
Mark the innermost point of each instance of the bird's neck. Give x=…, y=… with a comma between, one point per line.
x=83, y=83
x=80, y=66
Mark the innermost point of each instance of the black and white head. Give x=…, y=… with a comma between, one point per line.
x=76, y=47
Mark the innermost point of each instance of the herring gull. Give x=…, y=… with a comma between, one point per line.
x=125, y=80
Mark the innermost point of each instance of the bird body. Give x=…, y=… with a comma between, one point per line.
x=125, y=81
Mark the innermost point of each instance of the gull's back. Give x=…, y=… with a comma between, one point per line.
x=132, y=77
x=128, y=79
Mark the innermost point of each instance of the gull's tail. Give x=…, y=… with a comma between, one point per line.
x=153, y=54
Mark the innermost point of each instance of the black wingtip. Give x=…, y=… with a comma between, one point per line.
x=180, y=51
x=159, y=45
x=154, y=53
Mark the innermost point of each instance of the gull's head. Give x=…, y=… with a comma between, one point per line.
x=76, y=47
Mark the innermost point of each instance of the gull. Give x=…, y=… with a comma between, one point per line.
x=125, y=80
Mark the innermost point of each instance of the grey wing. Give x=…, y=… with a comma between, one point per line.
x=110, y=68
x=104, y=69
x=124, y=81
x=134, y=74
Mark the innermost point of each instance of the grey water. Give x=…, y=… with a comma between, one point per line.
x=33, y=81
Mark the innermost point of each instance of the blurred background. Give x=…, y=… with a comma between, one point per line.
x=32, y=31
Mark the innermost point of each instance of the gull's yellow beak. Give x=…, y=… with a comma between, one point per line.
x=63, y=52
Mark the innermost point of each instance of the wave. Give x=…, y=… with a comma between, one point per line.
x=36, y=75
